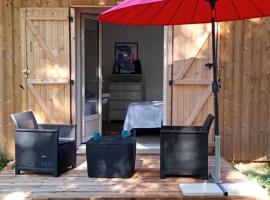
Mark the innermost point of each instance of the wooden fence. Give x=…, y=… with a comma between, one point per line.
x=244, y=69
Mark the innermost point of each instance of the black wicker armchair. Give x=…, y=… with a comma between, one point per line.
x=184, y=150
x=45, y=148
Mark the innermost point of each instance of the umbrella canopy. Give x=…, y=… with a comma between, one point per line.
x=172, y=12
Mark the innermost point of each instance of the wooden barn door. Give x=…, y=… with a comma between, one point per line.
x=46, y=63
x=191, y=87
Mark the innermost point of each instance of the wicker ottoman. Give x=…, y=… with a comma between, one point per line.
x=111, y=157
x=183, y=152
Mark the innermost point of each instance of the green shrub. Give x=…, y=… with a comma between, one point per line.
x=259, y=172
x=3, y=161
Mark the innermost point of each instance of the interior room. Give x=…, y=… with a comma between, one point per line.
x=136, y=80
x=149, y=42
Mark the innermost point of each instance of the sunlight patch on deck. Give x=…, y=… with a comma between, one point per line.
x=245, y=189
x=17, y=196
x=200, y=189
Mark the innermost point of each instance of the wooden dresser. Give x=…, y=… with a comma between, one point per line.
x=124, y=89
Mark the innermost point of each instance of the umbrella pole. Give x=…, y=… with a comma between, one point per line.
x=215, y=89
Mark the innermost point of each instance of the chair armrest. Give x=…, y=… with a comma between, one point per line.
x=184, y=132
x=37, y=130
x=65, y=130
x=183, y=128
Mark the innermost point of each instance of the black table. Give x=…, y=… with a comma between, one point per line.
x=111, y=157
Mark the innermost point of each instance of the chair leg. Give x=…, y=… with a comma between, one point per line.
x=55, y=174
x=162, y=175
x=74, y=161
x=17, y=171
x=205, y=176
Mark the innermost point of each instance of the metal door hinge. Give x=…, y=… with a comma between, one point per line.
x=71, y=82
x=209, y=65
x=70, y=19
x=170, y=82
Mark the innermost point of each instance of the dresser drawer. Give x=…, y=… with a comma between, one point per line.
x=126, y=96
x=116, y=87
x=117, y=114
x=133, y=87
x=125, y=86
x=119, y=104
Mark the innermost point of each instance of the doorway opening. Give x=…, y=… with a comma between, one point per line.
x=106, y=92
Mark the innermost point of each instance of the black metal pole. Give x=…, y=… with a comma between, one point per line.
x=215, y=85
x=215, y=89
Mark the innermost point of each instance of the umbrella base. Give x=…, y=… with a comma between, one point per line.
x=216, y=179
x=219, y=184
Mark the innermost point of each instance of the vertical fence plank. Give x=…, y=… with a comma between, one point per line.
x=2, y=86
x=255, y=77
x=237, y=92
x=8, y=65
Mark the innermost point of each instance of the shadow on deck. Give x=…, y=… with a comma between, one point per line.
x=75, y=184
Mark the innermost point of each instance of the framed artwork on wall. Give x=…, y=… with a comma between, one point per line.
x=125, y=55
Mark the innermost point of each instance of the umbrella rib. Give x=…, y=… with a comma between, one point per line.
x=110, y=14
x=157, y=13
x=123, y=15
x=255, y=5
x=235, y=9
x=174, y=14
x=194, y=11
x=126, y=13
x=142, y=12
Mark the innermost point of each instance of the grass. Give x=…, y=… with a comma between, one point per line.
x=3, y=161
x=259, y=172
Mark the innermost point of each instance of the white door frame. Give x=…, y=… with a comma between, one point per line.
x=77, y=62
x=79, y=71
x=98, y=116
x=166, y=74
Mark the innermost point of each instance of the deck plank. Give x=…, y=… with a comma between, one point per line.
x=75, y=184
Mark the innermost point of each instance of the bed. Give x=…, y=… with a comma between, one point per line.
x=144, y=116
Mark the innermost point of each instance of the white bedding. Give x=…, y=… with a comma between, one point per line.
x=146, y=114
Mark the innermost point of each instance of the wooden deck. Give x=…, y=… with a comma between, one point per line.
x=75, y=184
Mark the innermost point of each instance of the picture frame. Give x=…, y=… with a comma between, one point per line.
x=125, y=55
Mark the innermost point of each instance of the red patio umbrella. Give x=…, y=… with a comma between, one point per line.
x=176, y=12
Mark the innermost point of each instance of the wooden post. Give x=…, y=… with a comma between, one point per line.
x=2, y=85
x=9, y=78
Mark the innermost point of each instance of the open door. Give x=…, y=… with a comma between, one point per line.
x=191, y=95
x=90, y=76
x=45, y=52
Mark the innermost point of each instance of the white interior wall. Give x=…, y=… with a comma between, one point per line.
x=150, y=52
